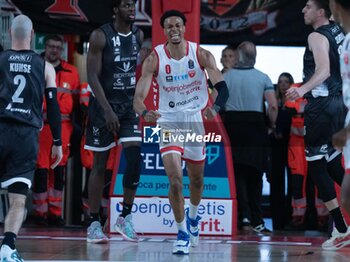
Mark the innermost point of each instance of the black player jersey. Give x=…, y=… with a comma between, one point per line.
x=22, y=85
x=118, y=74
x=333, y=84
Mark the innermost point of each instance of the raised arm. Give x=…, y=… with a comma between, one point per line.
x=207, y=61
x=53, y=113
x=149, y=67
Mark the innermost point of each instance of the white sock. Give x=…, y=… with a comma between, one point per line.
x=182, y=226
x=192, y=213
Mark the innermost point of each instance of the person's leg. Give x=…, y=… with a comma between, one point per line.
x=132, y=151
x=40, y=196
x=195, y=173
x=336, y=169
x=325, y=185
x=131, y=178
x=13, y=220
x=277, y=184
x=95, y=191
x=254, y=188
x=40, y=192
x=298, y=200
x=172, y=165
x=96, y=182
x=56, y=196
x=244, y=214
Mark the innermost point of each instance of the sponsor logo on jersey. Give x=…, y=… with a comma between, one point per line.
x=169, y=78
x=192, y=73
x=20, y=58
x=190, y=64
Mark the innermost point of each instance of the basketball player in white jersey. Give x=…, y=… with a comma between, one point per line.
x=178, y=66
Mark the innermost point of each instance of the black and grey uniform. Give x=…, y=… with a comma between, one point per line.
x=118, y=79
x=22, y=86
x=325, y=111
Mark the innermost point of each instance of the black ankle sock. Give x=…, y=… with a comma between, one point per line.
x=9, y=239
x=94, y=217
x=126, y=209
x=338, y=220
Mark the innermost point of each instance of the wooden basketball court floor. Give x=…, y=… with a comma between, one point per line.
x=69, y=244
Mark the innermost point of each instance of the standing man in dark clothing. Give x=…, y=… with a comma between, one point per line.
x=246, y=125
x=324, y=112
x=111, y=68
x=24, y=78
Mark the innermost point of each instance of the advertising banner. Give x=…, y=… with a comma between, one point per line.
x=155, y=216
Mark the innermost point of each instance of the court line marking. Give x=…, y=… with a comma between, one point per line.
x=203, y=241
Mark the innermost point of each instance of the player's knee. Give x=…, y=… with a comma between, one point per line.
x=40, y=180
x=197, y=181
x=175, y=185
x=100, y=162
x=133, y=167
x=18, y=188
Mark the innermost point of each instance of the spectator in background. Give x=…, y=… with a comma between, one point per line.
x=48, y=184
x=228, y=58
x=246, y=125
x=279, y=138
x=1, y=48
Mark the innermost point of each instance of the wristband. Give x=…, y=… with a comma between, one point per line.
x=57, y=142
x=144, y=113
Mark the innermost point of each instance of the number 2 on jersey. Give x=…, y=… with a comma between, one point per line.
x=20, y=81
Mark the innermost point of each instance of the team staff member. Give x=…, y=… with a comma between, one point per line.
x=24, y=79
x=48, y=184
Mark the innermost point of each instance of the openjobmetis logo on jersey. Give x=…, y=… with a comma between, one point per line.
x=156, y=134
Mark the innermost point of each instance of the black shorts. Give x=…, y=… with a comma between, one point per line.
x=99, y=138
x=18, y=153
x=324, y=116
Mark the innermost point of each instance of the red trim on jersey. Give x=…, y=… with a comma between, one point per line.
x=168, y=53
x=157, y=71
x=197, y=162
x=172, y=148
x=166, y=50
x=201, y=67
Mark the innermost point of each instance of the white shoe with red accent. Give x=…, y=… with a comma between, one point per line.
x=337, y=241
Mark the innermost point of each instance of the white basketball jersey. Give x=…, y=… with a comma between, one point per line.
x=345, y=70
x=182, y=83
